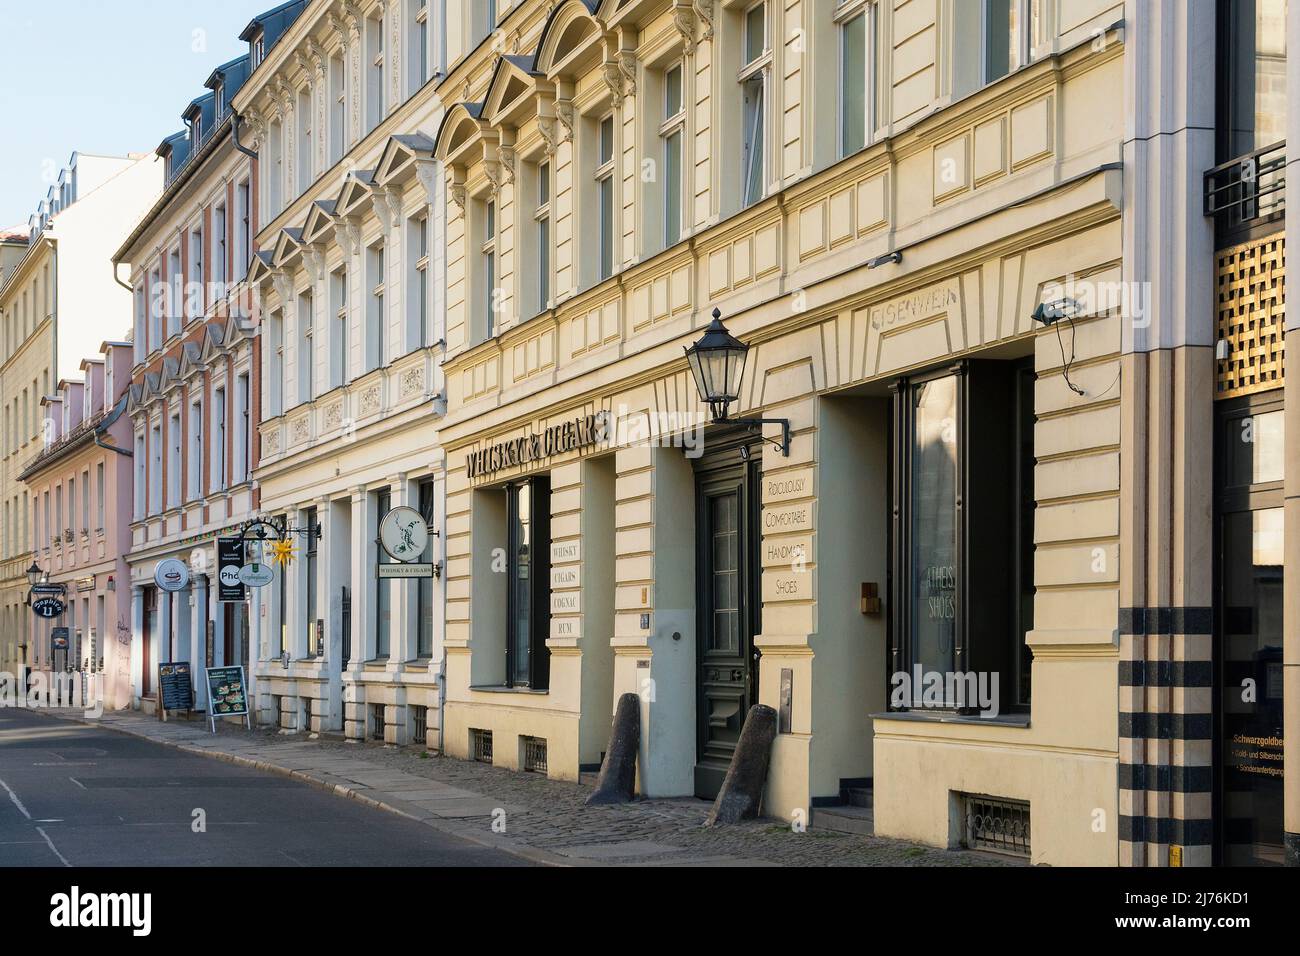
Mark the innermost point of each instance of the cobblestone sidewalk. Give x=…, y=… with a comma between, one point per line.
x=544, y=820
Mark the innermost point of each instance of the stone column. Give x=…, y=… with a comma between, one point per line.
x=138, y=663
x=1166, y=479
x=199, y=641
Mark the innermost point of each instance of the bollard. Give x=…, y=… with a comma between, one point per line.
x=742, y=789
x=617, y=781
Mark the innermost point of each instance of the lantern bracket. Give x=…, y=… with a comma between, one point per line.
x=755, y=425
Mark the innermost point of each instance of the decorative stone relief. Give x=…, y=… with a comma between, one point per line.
x=412, y=381
x=370, y=400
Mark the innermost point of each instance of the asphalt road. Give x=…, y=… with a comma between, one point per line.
x=79, y=796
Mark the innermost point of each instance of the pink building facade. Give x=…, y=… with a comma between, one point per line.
x=80, y=492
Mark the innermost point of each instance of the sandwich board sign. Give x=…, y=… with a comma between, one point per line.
x=227, y=694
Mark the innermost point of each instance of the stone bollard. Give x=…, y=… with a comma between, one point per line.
x=617, y=781
x=742, y=790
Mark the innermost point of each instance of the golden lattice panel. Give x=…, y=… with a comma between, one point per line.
x=1251, y=306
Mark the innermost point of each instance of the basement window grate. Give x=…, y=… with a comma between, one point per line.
x=534, y=754
x=998, y=825
x=306, y=714
x=420, y=728
x=480, y=745
x=377, y=722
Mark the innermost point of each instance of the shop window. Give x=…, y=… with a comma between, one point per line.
x=528, y=572
x=963, y=538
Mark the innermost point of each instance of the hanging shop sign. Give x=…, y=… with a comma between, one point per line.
x=404, y=534
x=256, y=575
x=230, y=560
x=403, y=571
x=48, y=608
x=59, y=638
x=556, y=440
x=172, y=575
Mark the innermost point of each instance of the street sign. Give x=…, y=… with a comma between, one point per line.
x=403, y=534
x=256, y=575
x=48, y=608
x=172, y=575
x=49, y=589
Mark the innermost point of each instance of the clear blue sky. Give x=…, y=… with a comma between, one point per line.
x=101, y=76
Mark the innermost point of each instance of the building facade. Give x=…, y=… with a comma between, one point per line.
x=80, y=489
x=350, y=281
x=56, y=289
x=195, y=392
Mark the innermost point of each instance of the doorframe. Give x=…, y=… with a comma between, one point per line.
x=730, y=448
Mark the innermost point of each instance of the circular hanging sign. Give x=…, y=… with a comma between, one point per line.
x=172, y=575
x=48, y=608
x=404, y=535
x=256, y=575
x=229, y=575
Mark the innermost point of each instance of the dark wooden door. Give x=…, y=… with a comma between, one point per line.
x=728, y=607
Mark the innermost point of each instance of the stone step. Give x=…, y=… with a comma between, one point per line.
x=856, y=820
x=859, y=797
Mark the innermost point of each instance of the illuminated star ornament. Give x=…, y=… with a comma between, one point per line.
x=282, y=553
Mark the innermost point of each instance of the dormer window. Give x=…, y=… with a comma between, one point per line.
x=219, y=92
x=258, y=50
x=196, y=131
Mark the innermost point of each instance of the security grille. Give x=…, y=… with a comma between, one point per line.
x=376, y=721
x=1251, y=305
x=420, y=720
x=480, y=745
x=534, y=754
x=998, y=825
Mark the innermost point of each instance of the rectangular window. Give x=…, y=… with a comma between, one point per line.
x=424, y=611
x=176, y=293
x=673, y=134
x=141, y=332
x=275, y=356
x=174, y=461
x=338, y=108
x=418, y=317
x=243, y=428
x=753, y=84
x=219, y=254
x=195, y=297
x=528, y=574
x=99, y=496
x=306, y=360
x=218, y=478
x=418, y=71
x=383, y=587
x=857, y=90
x=542, y=217
x=195, y=468
x=963, y=535
x=275, y=168
x=339, y=328
x=489, y=256
x=243, y=231
x=155, y=470
x=304, y=141
x=374, y=72
x=310, y=570
x=376, y=321
x=141, y=477
x=1008, y=28
x=605, y=196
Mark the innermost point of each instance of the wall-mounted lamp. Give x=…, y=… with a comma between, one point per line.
x=718, y=362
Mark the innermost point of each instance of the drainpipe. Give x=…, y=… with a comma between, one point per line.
x=237, y=121
x=102, y=428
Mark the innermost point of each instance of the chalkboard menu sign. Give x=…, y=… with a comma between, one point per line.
x=175, y=687
x=226, y=692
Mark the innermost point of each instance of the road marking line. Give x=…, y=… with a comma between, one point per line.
x=14, y=797
x=53, y=848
